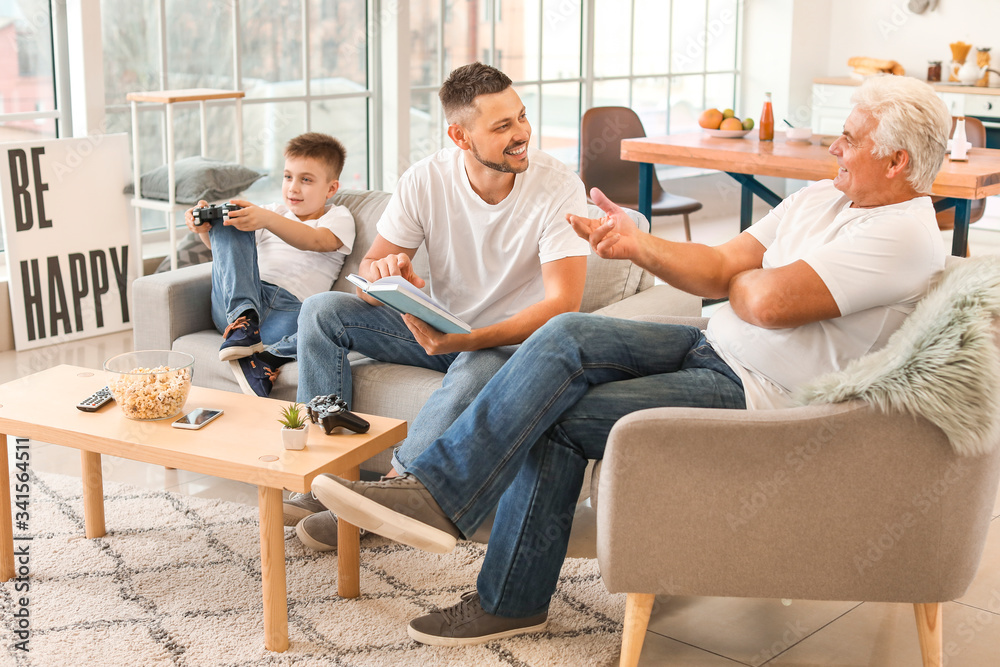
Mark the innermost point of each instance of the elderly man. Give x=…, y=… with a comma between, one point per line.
x=823, y=279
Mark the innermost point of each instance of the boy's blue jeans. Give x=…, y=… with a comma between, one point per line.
x=332, y=324
x=524, y=442
x=237, y=287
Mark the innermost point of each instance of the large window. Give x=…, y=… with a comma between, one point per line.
x=27, y=77
x=28, y=108
x=303, y=64
x=535, y=42
x=667, y=59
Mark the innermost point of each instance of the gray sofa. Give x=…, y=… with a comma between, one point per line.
x=173, y=311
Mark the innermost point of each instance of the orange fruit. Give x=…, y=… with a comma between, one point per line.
x=710, y=119
x=731, y=124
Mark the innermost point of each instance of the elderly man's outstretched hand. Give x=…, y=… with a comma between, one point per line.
x=614, y=236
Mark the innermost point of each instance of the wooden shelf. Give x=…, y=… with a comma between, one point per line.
x=167, y=98
x=184, y=95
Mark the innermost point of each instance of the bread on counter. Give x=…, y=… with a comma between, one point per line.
x=865, y=66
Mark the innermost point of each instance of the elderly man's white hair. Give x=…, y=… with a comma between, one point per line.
x=910, y=117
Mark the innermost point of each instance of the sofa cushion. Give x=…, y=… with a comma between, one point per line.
x=190, y=251
x=197, y=178
x=611, y=280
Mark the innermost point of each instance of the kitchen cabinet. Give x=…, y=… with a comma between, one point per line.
x=831, y=98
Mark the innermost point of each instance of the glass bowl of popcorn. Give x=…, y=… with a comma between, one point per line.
x=150, y=384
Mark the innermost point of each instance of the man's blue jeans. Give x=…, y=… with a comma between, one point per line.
x=332, y=324
x=237, y=287
x=524, y=442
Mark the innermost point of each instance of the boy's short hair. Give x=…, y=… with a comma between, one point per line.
x=465, y=84
x=319, y=146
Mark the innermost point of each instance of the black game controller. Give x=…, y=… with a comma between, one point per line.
x=331, y=410
x=212, y=212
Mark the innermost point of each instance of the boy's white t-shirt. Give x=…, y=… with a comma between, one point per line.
x=876, y=262
x=304, y=272
x=485, y=259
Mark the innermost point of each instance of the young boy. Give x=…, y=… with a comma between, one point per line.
x=267, y=259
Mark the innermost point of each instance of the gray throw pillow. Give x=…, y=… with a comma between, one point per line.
x=198, y=178
x=190, y=250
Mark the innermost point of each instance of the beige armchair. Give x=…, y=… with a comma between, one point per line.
x=823, y=502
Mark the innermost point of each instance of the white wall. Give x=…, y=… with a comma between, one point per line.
x=786, y=44
x=886, y=29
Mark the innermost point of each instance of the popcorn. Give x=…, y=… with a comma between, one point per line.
x=151, y=393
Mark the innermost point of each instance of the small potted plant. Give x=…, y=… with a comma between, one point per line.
x=294, y=427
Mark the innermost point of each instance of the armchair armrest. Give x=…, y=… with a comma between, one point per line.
x=838, y=502
x=660, y=299
x=170, y=305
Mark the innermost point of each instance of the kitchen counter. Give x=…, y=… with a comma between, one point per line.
x=943, y=87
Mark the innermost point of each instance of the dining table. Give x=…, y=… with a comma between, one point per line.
x=746, y=158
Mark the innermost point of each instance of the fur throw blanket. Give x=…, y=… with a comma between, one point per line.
x=942, y=363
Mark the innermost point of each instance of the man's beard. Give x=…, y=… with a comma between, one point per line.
x=502, y=167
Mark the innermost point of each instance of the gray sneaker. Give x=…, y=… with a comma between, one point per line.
x=300, y=505
x=318, y=531
x=400, y=508
x=466, y=623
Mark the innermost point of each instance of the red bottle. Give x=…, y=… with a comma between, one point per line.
x=767, y=121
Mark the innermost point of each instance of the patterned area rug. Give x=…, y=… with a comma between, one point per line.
x=177, y=582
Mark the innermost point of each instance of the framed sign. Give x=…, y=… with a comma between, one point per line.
x=66, y=234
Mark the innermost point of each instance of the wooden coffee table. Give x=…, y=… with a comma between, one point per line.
x=244, y=444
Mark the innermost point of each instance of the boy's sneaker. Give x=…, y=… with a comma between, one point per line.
x=256, y=377
x=467, y=623
x=300, y=505
x=242, y=338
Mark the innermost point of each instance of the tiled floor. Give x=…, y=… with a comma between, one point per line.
x=683, y=631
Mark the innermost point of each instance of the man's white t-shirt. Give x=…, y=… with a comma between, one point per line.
x=304, y=272
x=876, y=262
x=485, y=259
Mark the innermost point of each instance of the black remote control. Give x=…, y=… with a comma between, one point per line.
x=93, y=402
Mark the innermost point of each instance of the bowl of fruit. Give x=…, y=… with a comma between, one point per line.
x=724, y=124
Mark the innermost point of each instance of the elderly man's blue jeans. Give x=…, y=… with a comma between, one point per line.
x=332, y=324
x=237, y=288
x=525, y=441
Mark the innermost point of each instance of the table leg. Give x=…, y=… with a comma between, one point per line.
x=6, y=527
x=272, y=569
x=647, y=172
x=751, y=186
x=349, y=551
x=960, y=237
x=746, y=207
x=93, y=494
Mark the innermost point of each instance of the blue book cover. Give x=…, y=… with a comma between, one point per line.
x=398, y=293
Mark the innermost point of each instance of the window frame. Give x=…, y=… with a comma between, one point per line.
x=61, y=114
x=588, y=79
x=160, y=234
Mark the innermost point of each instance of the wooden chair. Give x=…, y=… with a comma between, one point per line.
x=601, y=132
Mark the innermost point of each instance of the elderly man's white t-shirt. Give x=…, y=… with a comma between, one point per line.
x=304, y=272
x=485, y=259
x=876, y=262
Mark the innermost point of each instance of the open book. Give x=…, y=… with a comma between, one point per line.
x=400, y=294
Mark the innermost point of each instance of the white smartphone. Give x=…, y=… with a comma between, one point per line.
x=196, y=418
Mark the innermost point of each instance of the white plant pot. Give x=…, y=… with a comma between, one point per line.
x=294, y=438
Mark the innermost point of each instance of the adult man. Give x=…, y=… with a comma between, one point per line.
x=821, y=280
x=501, y=258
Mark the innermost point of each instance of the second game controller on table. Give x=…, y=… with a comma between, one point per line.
x=331, y=411
x=212, y=212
